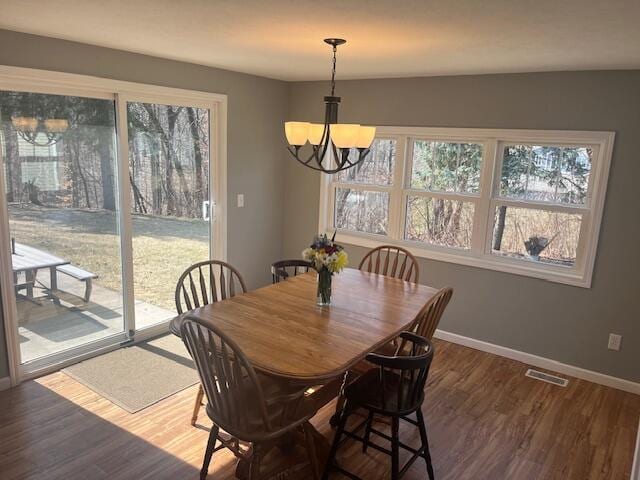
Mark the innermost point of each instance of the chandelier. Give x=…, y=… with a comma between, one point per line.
x=30, y=128
x=339, y=138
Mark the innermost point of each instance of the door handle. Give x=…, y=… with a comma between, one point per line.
x=205, y=210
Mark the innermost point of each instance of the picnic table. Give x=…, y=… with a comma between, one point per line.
x=29, y=260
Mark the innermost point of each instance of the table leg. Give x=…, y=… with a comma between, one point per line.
x=298, y=464
x=30, y=278
x=53, y=284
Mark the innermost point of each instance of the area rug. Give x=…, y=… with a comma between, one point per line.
x=139, y=376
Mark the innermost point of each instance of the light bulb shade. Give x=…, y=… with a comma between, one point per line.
x=25, y=124
x=344, y=135
x=365, y=137
x=56, y=125
x=297, y=132
x=315, y=133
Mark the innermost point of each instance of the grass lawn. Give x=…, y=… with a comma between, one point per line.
x=163, y=247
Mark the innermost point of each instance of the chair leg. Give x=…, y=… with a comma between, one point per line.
x=425, y=443
x=256, y=461
x=395, y=449
x=198, y=404
x=311, y=450
x=335, y=418
x=211, y=445
x=336, y=441
x=367, y=432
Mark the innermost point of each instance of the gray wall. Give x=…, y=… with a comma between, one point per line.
x=564, y=323
x=256, y=109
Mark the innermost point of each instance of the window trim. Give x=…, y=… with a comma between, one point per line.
x=479, y=255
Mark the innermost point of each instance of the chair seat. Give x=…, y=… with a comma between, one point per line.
x=367, y=390
x=286, y=405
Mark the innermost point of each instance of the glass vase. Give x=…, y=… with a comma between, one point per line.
x=324, y=287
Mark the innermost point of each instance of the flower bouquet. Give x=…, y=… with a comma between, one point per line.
x=327, y=257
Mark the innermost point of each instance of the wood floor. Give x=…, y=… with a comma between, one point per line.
x=486, y=420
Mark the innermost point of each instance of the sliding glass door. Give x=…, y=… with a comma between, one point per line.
x=108, y=198
x=59, y=158
x=169, y=176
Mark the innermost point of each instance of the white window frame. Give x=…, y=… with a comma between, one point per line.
x=57, y=83
x=479, y=255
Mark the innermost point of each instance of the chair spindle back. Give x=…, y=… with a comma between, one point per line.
x=207, y=282
x=286, y=268
x=429, y=316
x=227, y=376
x=391, y=261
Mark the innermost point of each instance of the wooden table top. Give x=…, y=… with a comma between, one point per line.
x=283, y=332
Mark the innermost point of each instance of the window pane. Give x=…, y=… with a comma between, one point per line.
x=537, y=235
x=437, y=221
x=362, y=211
x=446, y=167
x=59, y=159
x=376, y=168
x=169, y=173
x=547, y=174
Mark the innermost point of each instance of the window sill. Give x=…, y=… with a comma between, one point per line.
x=465, y=257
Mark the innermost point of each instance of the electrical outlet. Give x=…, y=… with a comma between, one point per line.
x=614, y=341
x=240, y=200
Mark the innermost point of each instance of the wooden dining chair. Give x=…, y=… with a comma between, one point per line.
x=201, y=284
x=424, y=325
x=284, y=269
x=247, y=407
x=395, y=390
x=391, y=261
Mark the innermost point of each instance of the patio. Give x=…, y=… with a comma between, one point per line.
x=46, y=327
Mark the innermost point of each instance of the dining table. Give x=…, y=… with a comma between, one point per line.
x=285, y=334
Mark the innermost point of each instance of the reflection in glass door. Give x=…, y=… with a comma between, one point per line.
x=59, y=159
x=169, y=175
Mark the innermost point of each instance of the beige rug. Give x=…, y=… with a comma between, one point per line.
x=138, y=376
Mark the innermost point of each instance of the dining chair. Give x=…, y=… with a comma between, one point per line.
x=203, y=283
x=284, y=269
x=424, y=325
x=391, y=261
x=395, y=390
x=246, y=406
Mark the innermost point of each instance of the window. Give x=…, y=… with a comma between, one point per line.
x=520, y=201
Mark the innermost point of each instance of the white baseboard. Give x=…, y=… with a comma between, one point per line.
x=541, y=362
x=5, y=383
x=635, y=470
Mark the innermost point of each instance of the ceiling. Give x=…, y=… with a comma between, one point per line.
x=393, y=38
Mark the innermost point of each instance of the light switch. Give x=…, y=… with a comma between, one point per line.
x=240, y=200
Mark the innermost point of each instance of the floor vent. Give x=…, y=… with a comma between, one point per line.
x=546, y=377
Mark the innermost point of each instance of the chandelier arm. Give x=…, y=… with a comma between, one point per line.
x=339, y=157
x=295, y=153
x=326, y=139
x=320, y=168
x=362, y=154
x=51, y=139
